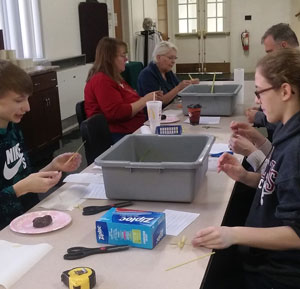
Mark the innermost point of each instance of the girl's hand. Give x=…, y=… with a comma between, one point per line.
x=231, y=166
x=241, y=145
x=214, y=237
x=250, y=114
x=248, y=131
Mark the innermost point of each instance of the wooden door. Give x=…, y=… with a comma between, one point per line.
x=162, y=18
x=118, y=19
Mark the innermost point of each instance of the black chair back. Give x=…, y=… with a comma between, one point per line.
x=96, y=134
x=131, y=72
x=80, y=112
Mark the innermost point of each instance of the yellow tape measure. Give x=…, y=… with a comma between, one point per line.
x=79, y=278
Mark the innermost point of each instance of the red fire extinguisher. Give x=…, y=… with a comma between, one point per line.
x=245, y=40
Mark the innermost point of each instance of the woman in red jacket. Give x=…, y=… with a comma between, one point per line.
x=106, y=92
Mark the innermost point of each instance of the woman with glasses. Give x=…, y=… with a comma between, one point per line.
x=158, y=75
x=106, y=92
x=271, y=233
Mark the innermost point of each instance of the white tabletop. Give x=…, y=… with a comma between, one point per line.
x=135, y=268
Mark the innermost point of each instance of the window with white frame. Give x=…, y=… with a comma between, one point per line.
x=187, y=16
x=190, y=18
x=20, y=22
x=215, y=16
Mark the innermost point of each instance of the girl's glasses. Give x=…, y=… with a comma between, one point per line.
x=258, y=92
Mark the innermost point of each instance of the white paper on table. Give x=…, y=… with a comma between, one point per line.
x=210, y=120
x=177, y=221
x=213, y=164
x=96, y=191
x=85, y=178
x=218, y=148
x=95, y=167
x=207, y=120
x=172, y=112
x=67, y=199
x=17, y=259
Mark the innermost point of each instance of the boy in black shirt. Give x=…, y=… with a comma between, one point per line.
x=17, y=179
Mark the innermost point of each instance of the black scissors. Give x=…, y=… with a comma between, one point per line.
x=209, y=126
x=81, y=252
x=92, y=210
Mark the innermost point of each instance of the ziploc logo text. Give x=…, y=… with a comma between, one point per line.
x=142, y=220
x=135, y=217
x=101, y=231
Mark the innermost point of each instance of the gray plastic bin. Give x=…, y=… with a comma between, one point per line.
x=155, y=167
x=221, y=102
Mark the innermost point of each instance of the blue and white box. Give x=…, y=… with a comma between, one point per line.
x=143, y=229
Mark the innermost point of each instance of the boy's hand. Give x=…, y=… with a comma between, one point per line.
x=39, y=182
x=66, y=162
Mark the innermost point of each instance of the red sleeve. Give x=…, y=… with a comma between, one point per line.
x=112, y=103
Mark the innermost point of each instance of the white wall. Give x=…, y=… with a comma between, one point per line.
x=61, y=39
x=60, y=27
x=295, y=21
x=264, y=14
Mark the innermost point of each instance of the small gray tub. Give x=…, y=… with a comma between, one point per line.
x=220, y=102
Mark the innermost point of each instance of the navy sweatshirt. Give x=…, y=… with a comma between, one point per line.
x=150, y=79
x=277, y=203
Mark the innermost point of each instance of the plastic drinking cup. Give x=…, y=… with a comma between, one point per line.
x=154, y=113
x=194, y=111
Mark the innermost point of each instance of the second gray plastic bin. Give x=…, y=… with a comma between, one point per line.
x=220, y=102
x=155, y=168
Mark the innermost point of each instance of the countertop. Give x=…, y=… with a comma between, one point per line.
x=35, y=70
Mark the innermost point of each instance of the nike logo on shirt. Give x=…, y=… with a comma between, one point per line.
x=9, y=173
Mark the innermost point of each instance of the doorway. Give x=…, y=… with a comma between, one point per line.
x=200, y=30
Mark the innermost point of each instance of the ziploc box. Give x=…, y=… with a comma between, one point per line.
x=119, y=226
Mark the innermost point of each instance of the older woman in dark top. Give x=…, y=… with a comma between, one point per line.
x=158, y=75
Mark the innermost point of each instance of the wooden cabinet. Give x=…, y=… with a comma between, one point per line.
x=41, y=126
